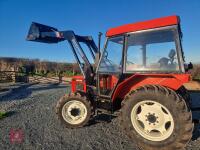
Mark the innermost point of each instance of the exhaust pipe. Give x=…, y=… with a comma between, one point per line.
x=99, y=41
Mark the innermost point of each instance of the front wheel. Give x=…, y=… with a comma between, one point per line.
x=74, y=110
x=157, y=118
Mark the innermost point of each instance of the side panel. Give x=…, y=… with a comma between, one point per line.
x=172, y=81
x=78, y=83
x=108, y=81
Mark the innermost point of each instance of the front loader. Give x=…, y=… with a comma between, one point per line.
x=140, y=71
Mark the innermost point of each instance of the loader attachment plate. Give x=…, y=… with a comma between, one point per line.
x=44, y=34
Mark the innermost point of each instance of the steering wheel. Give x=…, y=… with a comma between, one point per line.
x=109, y=61
x=106, y=58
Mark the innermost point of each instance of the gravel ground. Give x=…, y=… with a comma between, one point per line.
x=31, y=110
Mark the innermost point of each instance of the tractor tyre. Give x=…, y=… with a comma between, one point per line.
x=74, y=110
x=156, y=118
x=182, y=91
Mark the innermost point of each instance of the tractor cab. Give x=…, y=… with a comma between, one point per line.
x=149, y=47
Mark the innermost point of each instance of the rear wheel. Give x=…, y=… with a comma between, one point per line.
x=157, y=118
x=152, y=120
x=74, y=110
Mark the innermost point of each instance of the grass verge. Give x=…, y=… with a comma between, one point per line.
x=3, y=115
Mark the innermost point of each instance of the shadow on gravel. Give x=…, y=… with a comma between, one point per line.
x=15, y=92
x=196, y=132
x=48, y=87
x=195, y=96
x=102, y=118
x=25, y=90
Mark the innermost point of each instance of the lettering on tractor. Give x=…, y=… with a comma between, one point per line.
x=140, y=71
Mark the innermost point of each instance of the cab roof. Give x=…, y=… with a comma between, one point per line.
x=144, y=25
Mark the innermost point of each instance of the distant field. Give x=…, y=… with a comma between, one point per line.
x=196, y=72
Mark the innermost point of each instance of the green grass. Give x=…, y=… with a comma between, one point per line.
x=197, y=78
x=3, y=115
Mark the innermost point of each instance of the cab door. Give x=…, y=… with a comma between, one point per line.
x=110, y=66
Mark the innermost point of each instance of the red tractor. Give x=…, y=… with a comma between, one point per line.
x=140, y=71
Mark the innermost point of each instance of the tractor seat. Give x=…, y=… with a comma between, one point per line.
x=166, y=62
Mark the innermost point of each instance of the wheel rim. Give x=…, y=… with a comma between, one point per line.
x=152, y=120
x=74, y=112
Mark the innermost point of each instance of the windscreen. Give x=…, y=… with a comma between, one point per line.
x=152, y=51
x=112, y=56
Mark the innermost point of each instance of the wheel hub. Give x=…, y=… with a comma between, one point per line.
x=74, y=112
x=152, y=120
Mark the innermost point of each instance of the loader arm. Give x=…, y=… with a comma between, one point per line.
x=47, y=34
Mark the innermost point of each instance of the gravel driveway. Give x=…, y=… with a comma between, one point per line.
x=32, y=112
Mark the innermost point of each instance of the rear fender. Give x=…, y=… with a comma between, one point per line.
x=172, y=81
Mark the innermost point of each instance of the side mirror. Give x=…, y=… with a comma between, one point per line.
x=188, y=66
